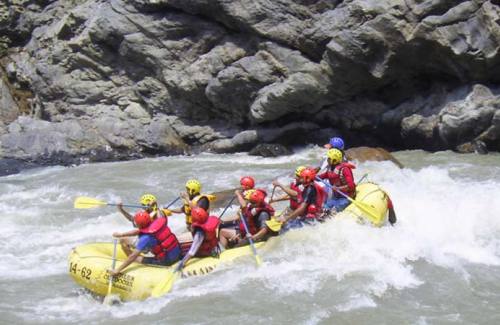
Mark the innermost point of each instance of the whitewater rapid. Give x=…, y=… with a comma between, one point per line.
x=439, y=264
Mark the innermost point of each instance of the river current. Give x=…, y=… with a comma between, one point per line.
x=440, y=264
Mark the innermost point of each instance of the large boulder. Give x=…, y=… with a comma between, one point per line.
x=465, y=115
x=371, y=154
x=474, y=118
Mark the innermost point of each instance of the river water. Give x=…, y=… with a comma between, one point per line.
x=440, y=264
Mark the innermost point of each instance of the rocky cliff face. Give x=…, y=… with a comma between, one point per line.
x=113, y=79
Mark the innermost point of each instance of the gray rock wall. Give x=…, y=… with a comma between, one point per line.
x=121, y=78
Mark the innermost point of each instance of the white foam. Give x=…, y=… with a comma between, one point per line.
x=444, y=219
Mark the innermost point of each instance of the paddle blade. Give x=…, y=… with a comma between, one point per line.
x=274, y=224
x=165, y=286
x=111, y=299
x=258, y=260
x=83, y=202
x=369, y=212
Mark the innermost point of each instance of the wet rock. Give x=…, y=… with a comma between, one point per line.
x=420, y=131
x=247, y=139
x=270, y=150
x=13, y=166
x=473, y=147
x=361, y=154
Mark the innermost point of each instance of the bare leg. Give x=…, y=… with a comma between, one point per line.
x=225, y=235
x=185, y=237
x=127, y=245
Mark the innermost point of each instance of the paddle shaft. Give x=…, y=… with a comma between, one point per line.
x=252, y=245
x=227, y=207
x=173, y=202
x=362, y=178
x=272, y=194
x=113, y=264
x=126, y=205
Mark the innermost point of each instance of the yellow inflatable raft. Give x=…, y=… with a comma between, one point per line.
x=88, y=264
x=370, y=205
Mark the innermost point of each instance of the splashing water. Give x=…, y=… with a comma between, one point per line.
x=439, y=264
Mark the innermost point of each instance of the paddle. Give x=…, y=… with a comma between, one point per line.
x=108, y=299
x=274, y=224
x=250, y=240
x=368, y=210
x=83, y=202
x=166, y=285
x=223, y=195
x=172, y=203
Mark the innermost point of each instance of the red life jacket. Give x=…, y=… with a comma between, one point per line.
x=295, y=202
x=165, y=237
x=251, y=216
x=336, y=178
x=210, y=230
x=313, y=210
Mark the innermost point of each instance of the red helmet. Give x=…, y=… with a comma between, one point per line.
x=199, y=215
x=142, y=219
x=247, y=182
x=308, y=175
x=312, y=209
x=257, y=197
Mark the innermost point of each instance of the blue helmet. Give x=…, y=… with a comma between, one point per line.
x=337, y=143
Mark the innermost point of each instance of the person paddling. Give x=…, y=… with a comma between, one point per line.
x=247, y=183
x=256, y=212
x=334, y=143
x=154, y=236
x=204, y=231
x=311, y=205
x=339, y=175
x=247, y=186
x=292, y=192
x=192, y=198
x=150, y=204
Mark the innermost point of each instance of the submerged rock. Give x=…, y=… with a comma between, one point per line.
x=270, y=150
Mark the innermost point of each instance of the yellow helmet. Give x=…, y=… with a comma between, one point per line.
x=299, y=170
x=334, y=155
x=248, y=193
x=193, y=187
x=147, y=199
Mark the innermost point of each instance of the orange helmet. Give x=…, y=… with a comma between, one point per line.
x=199, y=215
x=312, y=209
x=257, y=197
x=308, y=175
x=142, y=219
x=247, y=182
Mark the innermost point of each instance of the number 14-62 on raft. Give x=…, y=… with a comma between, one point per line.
x=84, y=271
